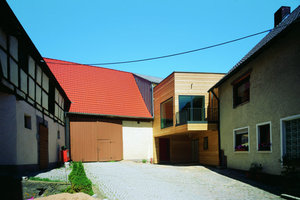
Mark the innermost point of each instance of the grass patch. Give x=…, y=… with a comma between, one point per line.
x=43, y=179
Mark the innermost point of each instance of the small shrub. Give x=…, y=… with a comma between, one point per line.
x=79, y=180
x=144, y=161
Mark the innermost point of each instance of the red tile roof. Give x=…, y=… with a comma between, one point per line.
x=97, y=90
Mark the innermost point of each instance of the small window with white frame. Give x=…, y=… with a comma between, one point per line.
x=264, y=136
x=241, y=139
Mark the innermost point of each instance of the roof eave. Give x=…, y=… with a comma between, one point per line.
x=253, y=56
x=111, y=116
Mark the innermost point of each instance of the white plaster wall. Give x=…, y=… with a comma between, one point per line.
x=55, y=144
x=8, y=130
x=137, y=140
x=27, y=140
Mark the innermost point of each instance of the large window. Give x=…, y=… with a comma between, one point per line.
x=191, y=108
x=241, y=90
x=291, y=138
x=241, y=139
x=263, y=136
x=166, y=113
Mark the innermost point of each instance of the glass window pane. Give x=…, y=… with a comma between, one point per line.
x=38, y=94
x=31, y=67
x=3, y=61
x=292, y=150
x=45, y=100
x=166, y=113
x=61, y=115
x=31, y=88
x=62, y=102
x=241, y=140
x=3, y=41
x=56, y=110
x=13, y=72
x=56, y=95
x=45, y=82
x=191, y=108
x=13, y=47
x=39, y=75
x=264, y=138
x=23, y=81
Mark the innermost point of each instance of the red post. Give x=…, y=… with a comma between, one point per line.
x=64, y=155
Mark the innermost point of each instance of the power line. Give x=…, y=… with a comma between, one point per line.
x=175, y=54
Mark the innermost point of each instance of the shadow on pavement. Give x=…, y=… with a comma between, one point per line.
x=274, y=184
x=11, y=187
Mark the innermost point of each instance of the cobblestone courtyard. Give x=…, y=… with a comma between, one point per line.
x=130, y=181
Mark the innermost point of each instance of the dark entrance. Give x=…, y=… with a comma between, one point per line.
x=164, y=149
x=43, y=147
x=195, y=151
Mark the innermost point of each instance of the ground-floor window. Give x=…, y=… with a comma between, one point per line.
x=263, y=132
x=291, y=137
x=241, y=139
x=27, y=121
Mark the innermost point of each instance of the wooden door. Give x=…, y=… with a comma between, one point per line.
x=43, y=147
x=104, y=150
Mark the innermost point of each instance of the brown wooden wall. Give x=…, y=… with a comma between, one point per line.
x=93, y=140
x=181, y=148
x=211, y=155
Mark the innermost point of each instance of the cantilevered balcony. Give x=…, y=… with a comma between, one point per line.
x=197, y=119
x=197, y=115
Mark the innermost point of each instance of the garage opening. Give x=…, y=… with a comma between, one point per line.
x=164, y=150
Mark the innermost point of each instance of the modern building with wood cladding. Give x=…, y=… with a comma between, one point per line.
x=111, y=112
x=32, y=102
x=185, y=126
x=259, y=101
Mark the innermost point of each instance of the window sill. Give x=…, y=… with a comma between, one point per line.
x=264, y=151
x=235, y=106
x=240, y=151
x=166, y=127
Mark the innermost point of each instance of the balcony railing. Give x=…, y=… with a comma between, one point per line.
x=197, y=115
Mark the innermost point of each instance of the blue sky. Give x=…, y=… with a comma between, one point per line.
x=98, y=31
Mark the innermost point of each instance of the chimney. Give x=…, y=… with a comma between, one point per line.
x=280, y=14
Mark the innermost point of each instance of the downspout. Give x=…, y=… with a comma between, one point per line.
x=219, y=134
x=67, y=129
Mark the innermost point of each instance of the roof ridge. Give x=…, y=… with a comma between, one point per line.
x=292, y=18
x=74, y=63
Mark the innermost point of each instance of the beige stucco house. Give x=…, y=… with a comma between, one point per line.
x=260, y=100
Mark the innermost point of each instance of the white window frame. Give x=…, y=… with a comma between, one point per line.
x=257, y=137
x=237, y=129
x=282, y=132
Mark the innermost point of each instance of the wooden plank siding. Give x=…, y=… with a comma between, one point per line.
x=181, y=136
x=86, y=136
